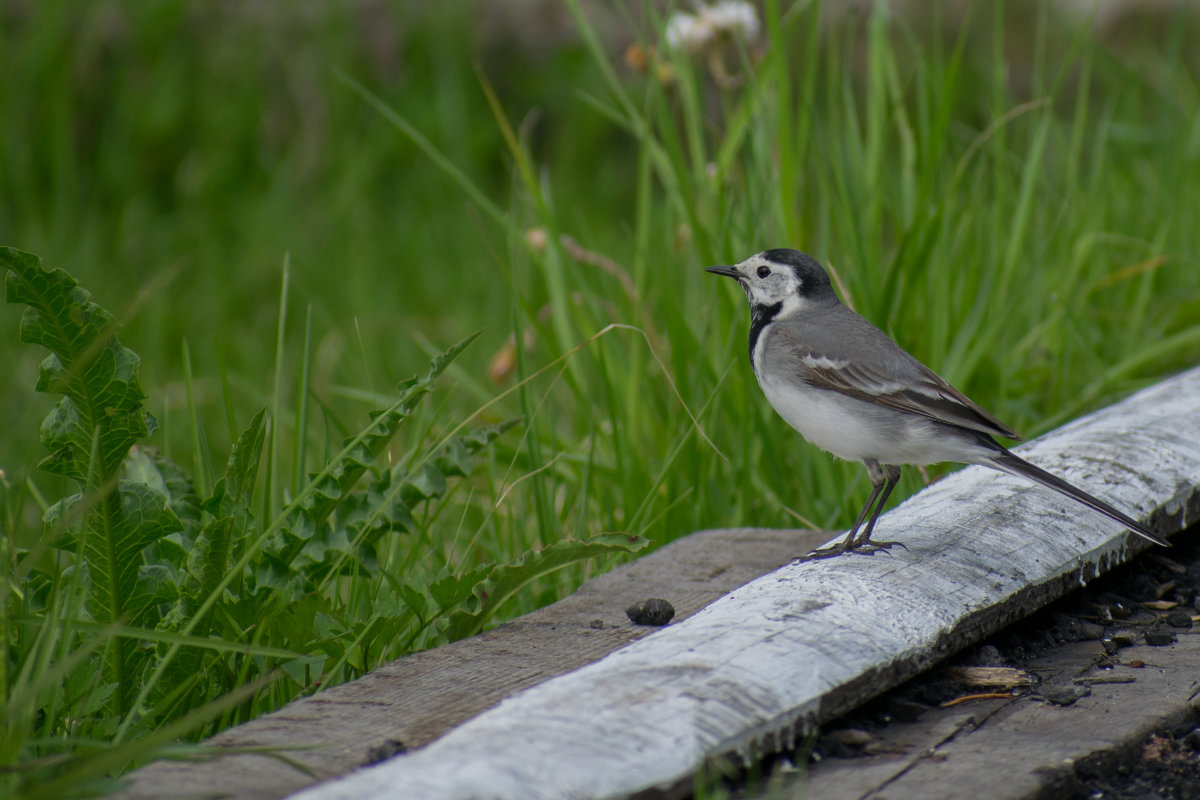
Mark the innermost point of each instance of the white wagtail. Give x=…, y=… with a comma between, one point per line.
x=852, y=391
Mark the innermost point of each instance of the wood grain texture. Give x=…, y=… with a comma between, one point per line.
x=412, y=701
x=757, y=668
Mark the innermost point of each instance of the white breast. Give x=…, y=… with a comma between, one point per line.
x=822, y=420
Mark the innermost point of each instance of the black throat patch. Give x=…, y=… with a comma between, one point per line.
x=759, y=317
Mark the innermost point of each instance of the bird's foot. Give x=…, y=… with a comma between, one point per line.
x=867, y=547
x=822, y=552
x=870, y=547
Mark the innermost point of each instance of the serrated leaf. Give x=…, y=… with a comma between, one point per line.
x=242, y=469
x=439, y=363
x=385, y=505
x=88, y=434
x=479, y=438
x=384, y=508
x=155, y=586
x=150, y=467
x=209, y=559
x=427, y=483
x=60, y=314
x=330, y=487
x=97, y=375
x=214, y=550
x=454, y=459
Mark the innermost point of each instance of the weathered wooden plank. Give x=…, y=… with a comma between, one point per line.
x=758, y=667
x=412, y=701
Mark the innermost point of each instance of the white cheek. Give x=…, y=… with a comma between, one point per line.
x=768, y=294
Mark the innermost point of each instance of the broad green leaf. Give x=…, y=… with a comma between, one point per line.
x=88, y=434
x=242, y=469
x=451, y=590
x=413, y=598
x=113, y=555
x=428, y=482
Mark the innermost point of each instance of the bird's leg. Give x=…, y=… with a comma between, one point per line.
x=890, y=474
x=848, y=543
x=884, y=478
x=876, y=488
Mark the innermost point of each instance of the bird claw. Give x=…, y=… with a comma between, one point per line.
x=866, y=547
x=870, y=548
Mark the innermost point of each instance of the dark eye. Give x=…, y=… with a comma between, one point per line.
x=764, y=272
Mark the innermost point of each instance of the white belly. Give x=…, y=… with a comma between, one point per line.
x=859, y=431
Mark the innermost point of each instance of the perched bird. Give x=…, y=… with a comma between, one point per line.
x=848, y=388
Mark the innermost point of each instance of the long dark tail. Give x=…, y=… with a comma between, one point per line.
x=1015, y=465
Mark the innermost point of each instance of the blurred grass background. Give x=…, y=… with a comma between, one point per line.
x=180, y=149
x=1008, y=189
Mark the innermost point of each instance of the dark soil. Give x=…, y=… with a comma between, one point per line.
x=1167, y=768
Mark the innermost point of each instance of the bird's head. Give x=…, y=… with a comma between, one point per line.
x=786, y=280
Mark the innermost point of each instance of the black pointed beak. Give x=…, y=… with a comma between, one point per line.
x=728, y=272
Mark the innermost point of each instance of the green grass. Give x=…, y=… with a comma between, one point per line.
x=290, y=214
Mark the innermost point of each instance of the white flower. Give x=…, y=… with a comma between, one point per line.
x=694, y=32
x=688, y=32
x=737, y=18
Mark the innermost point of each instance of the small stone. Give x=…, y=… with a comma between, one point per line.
x=654, y=611
x=1064, y=695
x=1180, y=618
x=1122, y=638
x=1157, y=637
x=1090, y=630
x=596, y=623
x=1191, y=739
